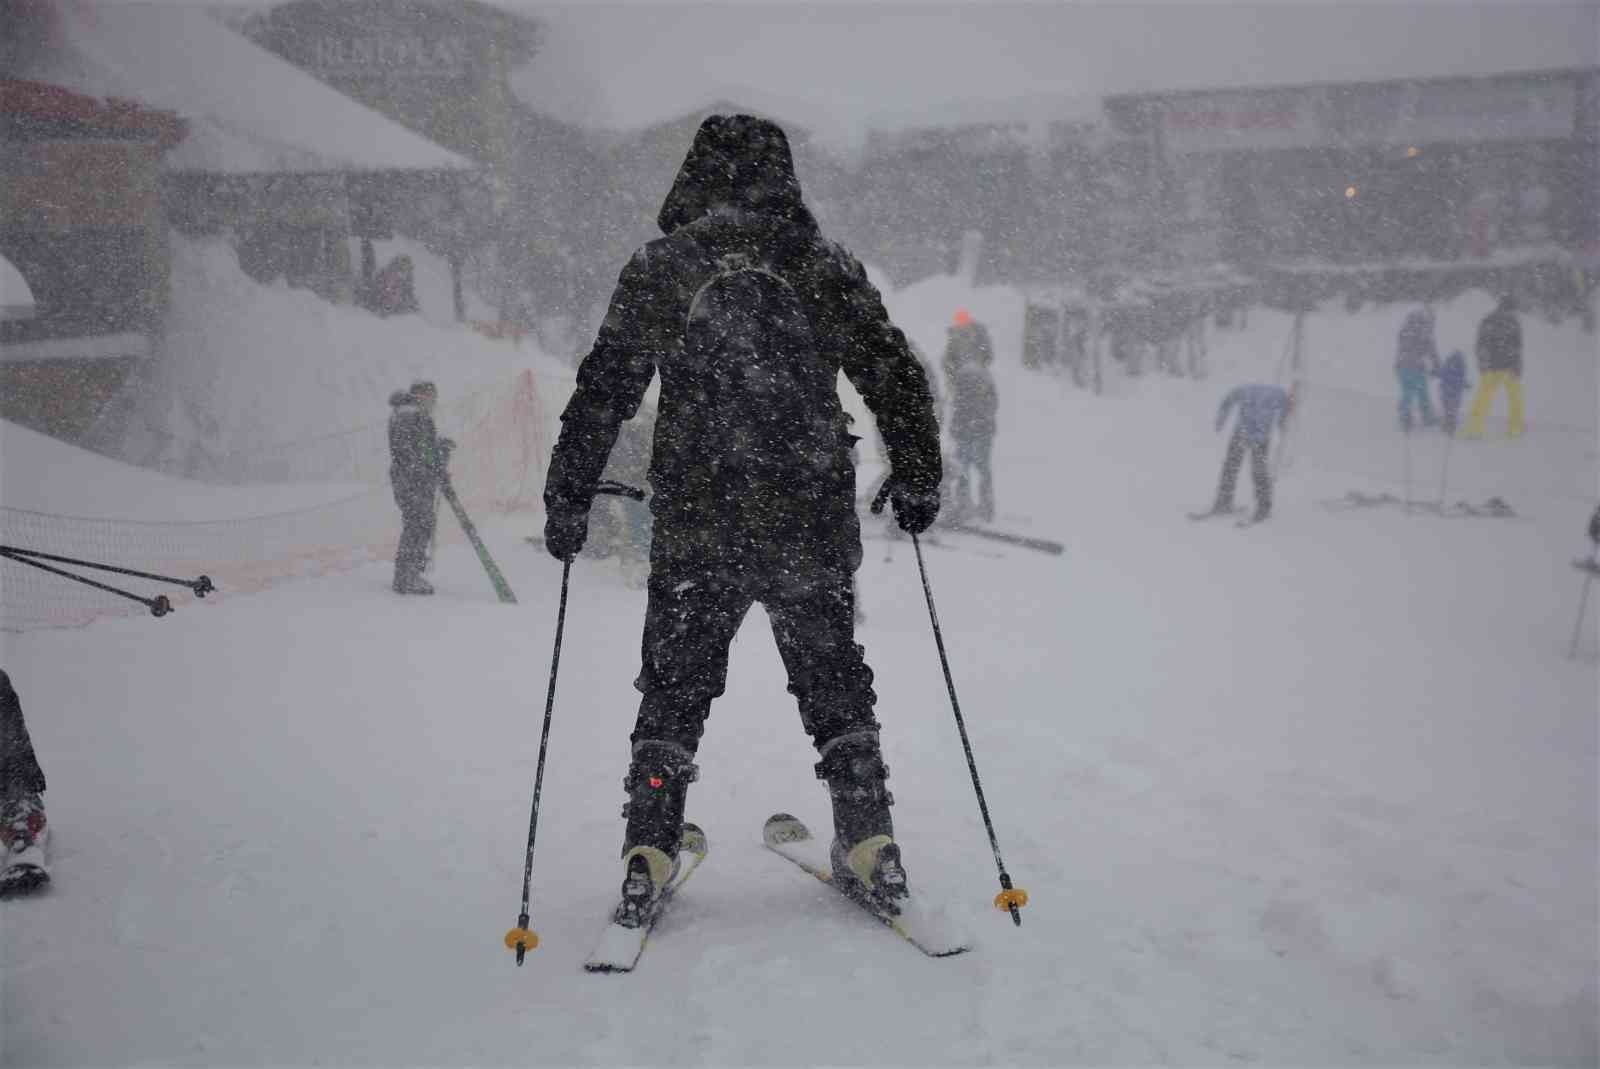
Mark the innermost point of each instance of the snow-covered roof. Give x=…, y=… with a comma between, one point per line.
x=16, y=299
x=249, y=111
x=845, y=70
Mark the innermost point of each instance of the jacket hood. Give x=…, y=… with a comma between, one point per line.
x=739, y=162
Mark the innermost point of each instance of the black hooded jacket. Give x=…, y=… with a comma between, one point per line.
x=737, y=194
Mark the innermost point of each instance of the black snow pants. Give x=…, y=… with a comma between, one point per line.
x=19, y=769
x=1259, y=471
x=419, y=507
x=691, y=618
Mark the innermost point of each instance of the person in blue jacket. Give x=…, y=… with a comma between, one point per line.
x=1262, y=408
x=1416, y=357
x=1453, y=385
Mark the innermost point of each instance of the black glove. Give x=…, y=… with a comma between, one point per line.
x=565, y=533
x=914, y=512
x=1594, y=526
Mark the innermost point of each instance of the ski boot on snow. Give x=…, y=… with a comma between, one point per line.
x=657, y=785
x=871, y=871
x=23, y=836
x=648, y=873
x=864, y=856
x=412, y=584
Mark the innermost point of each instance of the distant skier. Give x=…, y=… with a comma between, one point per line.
x=1499, y=351
x=1452, y=375
x=417, y=460
x=1416, y=357
x=23, y=830
x=974, y=404
x=748, y=313
x=1261, y=409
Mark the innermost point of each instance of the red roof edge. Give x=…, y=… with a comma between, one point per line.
x=122, y=118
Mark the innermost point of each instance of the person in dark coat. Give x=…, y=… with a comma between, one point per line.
x=23, y=829
x=1453, y=385
x=1499, y=351
x=1262, y=409
x=1416, y=357
x=755, y=517
x=417, y=459
x=974, y=404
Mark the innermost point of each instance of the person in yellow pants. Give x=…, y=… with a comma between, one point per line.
x=1499, y=351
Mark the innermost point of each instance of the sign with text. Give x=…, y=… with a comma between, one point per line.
x=1535, y=107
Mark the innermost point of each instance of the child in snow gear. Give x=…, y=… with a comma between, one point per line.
x=1453, y=384
x=417, y=460
x=1499, y=349
x=973, y=407
x=748, y=313
x=23, y=830
x=1261, y=408
x=1416, y=357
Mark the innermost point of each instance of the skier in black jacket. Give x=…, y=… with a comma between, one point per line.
x=748, y=314
x=417, y=459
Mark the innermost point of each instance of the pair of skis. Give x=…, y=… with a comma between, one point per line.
x=929, y=930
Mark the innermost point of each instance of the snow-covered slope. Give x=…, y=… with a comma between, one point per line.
x=1319, y=792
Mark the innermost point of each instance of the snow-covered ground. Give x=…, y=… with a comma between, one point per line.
x=1318, y=792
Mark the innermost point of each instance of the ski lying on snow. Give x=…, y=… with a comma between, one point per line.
x=620, y=946
x=930, y=930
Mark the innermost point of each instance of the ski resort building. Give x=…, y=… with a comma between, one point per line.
x=119, y=122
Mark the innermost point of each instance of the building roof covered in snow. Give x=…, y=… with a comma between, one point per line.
x=248, y=111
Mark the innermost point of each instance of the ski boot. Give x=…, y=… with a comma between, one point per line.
x=23, y=835
x=865, y=857
x=657, y=785
x=412, y=584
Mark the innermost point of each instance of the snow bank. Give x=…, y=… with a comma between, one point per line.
x=256, y=375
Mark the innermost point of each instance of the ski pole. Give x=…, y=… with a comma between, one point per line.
x=1407, y=436
x=1583, y=601
x=201, y=586
x=520, y=938
x=1009, y=898
x=158, y=605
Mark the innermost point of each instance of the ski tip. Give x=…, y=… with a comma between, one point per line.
x=784, y=828
x=694, y=840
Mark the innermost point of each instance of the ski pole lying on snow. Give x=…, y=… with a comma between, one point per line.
x=158, y=605
x=1010, y=898
x=521, y=938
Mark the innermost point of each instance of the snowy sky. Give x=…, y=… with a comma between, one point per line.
x=838, y=66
